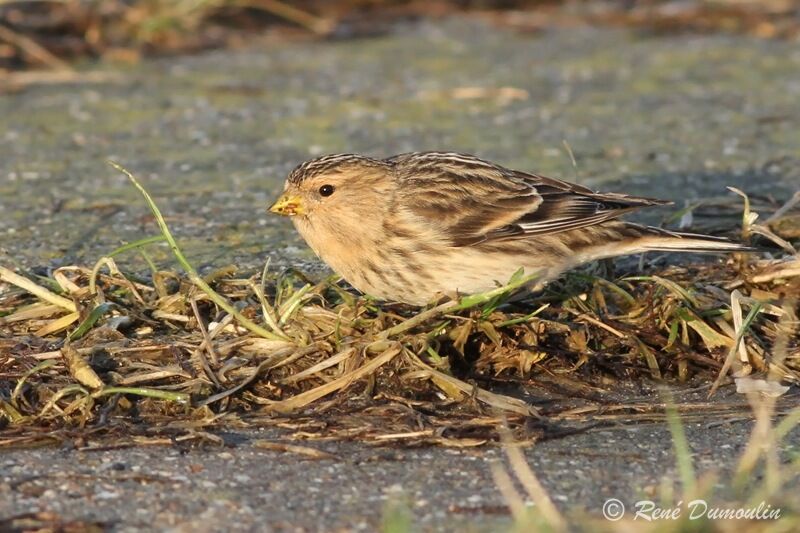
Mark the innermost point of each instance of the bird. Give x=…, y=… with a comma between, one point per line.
x=416, y=226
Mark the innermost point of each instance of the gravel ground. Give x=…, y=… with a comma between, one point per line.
x=213, y=136
x=241, y=487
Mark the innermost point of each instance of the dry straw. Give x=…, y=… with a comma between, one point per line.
x=140, y=357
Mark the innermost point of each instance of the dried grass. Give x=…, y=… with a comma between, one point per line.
x=94, y=353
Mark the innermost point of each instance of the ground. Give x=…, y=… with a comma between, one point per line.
x=212, y=136
x=245, y=488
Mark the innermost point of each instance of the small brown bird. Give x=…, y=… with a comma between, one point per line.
x=422, y=224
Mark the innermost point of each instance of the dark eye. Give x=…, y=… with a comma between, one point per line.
x=326, y=190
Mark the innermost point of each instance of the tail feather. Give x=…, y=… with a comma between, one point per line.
x=624, y=238
x=660, y=240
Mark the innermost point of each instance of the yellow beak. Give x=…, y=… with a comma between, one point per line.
x=288, y=206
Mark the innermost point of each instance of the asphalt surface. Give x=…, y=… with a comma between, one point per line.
x=241, y=487
x=212, y=137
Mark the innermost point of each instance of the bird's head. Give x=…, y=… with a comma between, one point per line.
x=336, y=188
x=338, y=203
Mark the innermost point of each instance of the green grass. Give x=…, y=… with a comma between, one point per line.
x=169, y=349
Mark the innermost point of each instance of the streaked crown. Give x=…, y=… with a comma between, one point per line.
x=327, y=163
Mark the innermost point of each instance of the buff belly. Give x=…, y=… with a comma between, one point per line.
x=424, y=279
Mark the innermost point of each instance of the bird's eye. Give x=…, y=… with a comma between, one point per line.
x=326, y=190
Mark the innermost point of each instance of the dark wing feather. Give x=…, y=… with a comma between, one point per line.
x=473, y=200
x=566, y=206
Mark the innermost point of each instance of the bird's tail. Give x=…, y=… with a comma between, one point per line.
x=624, y=238
x=619, y=238
x=660, y=240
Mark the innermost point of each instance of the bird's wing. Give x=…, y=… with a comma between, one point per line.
x=473, y=201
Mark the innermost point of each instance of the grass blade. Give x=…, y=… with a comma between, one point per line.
x=188, y=268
